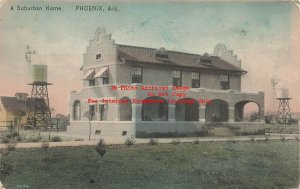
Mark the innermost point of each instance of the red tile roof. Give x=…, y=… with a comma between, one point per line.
x=147, y=55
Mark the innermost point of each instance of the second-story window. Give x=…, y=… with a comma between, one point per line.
x=195, y=79
x=177, y=78
x=137, y=76
x=98, y=56
x=224, y=82
x=91, y=82
x=105, y=77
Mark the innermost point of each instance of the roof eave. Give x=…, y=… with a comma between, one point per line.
x=175, y=65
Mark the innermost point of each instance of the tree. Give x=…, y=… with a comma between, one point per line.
x=254, y=116
x=100, y=148
x=63, y=120
x=19, y=115
x=89, y=114
x=6, y=168
x=52, y=110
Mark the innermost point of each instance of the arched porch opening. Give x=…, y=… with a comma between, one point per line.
x=187, y=111
x=247, y=111
x=216, y=111
x=125, y=109
x=157, y=111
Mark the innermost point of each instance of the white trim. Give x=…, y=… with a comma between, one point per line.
x=88, y=74
x=100, y=72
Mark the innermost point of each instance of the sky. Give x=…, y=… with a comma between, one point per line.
x=263, y=35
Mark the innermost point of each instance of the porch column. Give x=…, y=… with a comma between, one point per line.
x=114, y=112
x=261, y=115
x=171, y=112
x=136, y=112
x=230, y=114
x=201, y=112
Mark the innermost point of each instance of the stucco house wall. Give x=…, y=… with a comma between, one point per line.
x=119, y=61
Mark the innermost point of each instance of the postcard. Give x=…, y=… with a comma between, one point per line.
x=150, y=94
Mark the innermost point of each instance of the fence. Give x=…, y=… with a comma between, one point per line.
x=7, y=126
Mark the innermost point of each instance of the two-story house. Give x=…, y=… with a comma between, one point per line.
x=139, y=89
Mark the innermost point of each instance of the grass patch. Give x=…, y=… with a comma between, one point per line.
x=207, y=165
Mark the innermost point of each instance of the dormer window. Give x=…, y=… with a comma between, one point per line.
x=98, y=56
x=161, y=54
x=205, y=60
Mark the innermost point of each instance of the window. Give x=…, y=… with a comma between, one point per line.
x=105, y=77
x=98, y=56
x=103, y=74
x=205, y=60
x=137, y=74
x=177, y=80
x=76, y=110
x=224, y=82
x=195, y=79
x=103, y=108
x=92, y=109
x=92, y=82
x=162, y=56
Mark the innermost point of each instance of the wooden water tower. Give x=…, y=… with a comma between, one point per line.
x=40, y=115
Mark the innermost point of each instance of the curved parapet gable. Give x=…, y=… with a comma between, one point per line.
x=100, y=31
x=221, y=51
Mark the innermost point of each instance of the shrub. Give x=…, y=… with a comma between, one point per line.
x=45, y=145
x=19, y=138
x=153, y=141
x=197, y=141
x=252, y=139
x=15, y=134
x=175, y=134
x=5, y=140
x=11, y=146
x=35, y=139
x=129, y=142
x=176, y=141
x=282, y=139
x=5, y=170
x=266, y=139
x=8, y=136
x=100, y=148
x=231, y=141
x=56, y=139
